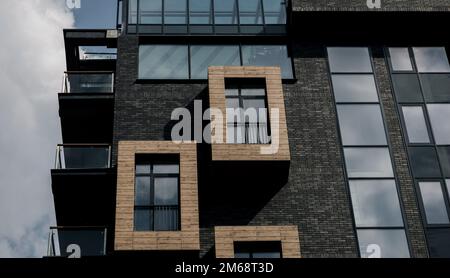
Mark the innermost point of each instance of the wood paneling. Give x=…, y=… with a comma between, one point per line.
x=125, y=236
x=227, y=235
x=275, y=100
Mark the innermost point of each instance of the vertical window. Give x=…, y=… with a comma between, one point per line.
x=150, y=11
x=349, y=59
x=354, y=88
x=225, y=12
x=257, y=250
x=156, y=197
x=400, y=59
x=391, y=243
x=416, y=126
x=200, y=12
x=433, y=202
x=268, y=55
x=444, y=157
x=407, y=88
x=250, y=12
x=431, y=59
x=424, y=162
x=203, y=56
x=247, y=121
x=163, y=62
x=368, y=162
x=275, y=11
x=439, y=115
x=175, y=11
x=132, y=12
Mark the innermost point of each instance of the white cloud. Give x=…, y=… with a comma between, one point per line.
x=32, y=62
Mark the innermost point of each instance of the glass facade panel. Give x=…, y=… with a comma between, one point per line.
x=349, y=59
x=274, y=11
x=439, y=116
x=268, y=55
x=444, y=158
x=143, y=219
x=142, y=192
x=225, y=12
x=424, y=162
x=355, y=88
x=166, y=191
x=250, y=12
x=407, y=88
x=163, y=62
x=400, y=59
x=436, y=87
x=416, y=126
x=175, y=11
x=150, y=11
x=431, y=59
x=433, y=202
x=200, y=12
x=368, y=163
x=203, y=56
x=376, y=243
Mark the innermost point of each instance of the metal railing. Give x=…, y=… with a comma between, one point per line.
x=83, y=156
x=88, y=82
x=76, y=242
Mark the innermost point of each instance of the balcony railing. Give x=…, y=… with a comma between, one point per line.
x=76, y=242
x=88, y=82
x=83, y=156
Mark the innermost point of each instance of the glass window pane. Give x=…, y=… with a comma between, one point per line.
x=447, y=181
x=436, y=87
x=439, y=116
x=166, y=169
x=400, y=59
x=250, y=12
x=241, y=255
x=142, y=169
x=268, y=55
x=375, y=203
x=368, y=163
x=361, y=125
x=225, y=12
x=444, y=157
x=254, y=110
x=175, y=11
x=143, y=220
x=163, y=62
x=132, y=12
x=433, y=202
x=232, y=102
x=142, y=197
x=253, y=92
x=383, y=243
x=355, y=88
x=166, y=191
x=266, y=255
x=166, y=219
x=431, y=59
x=349, y=59
x=203, y=56
x=424, y=162
x=407, y=88
x=235, y=133
x=150, y=11
x=275, y=11
x=415, y=124
x=200, y=12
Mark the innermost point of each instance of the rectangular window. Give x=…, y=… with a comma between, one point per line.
x=225, y=12
x=416, y=126
x=257, y=250
x=354, y=88
x=268, y=55
x=444, y=158
x=349, y=59
x=439, y=115
x=433, y=202
x=436, y=87
x=431, y=59
x=368, y=163
x=375, y=203
x=250, y=12
x=424, y=162
x=132, y=12
x=400, y=59
x=377, y=243
x=407, y=88
x=150, y=11
x=175, y=11
x=203, y=56
x=274, y=11
x=247, y=119
x=361, y=124
x=200, y=12
x=156, y=197
x=163, y=62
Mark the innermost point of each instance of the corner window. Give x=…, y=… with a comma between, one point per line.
x=257, y=250
x=156, y=196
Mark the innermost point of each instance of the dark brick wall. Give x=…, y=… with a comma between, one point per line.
x=361, y=5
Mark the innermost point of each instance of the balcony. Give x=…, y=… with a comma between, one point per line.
x=86, y=106
x=83, y=185
x=77, y=242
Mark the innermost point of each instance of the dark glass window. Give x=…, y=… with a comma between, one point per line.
x=247, y=117
x=354, y=88
x=390, y=243
x=257, y=250
x=163, y=62
x=431, y=59
x=400, y=59
x=268, y=55
x=439, y=242
x=156, y=196
x=349, y=59
x=439, y=116
x=415, y=123
x=407, y=88
x=203, y=56
x=368, y=163
x=375, y=203
x=424, y=162
x=225, y=12
x=361, y=124
x=436, y=87
x=200, y=12
x=444, y=157
x=433, y=202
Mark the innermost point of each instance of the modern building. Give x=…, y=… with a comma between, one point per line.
x=348, y=154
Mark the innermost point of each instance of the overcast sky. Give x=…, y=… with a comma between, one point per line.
x=32, y=62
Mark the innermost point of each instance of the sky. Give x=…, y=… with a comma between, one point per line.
x=32, y=62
